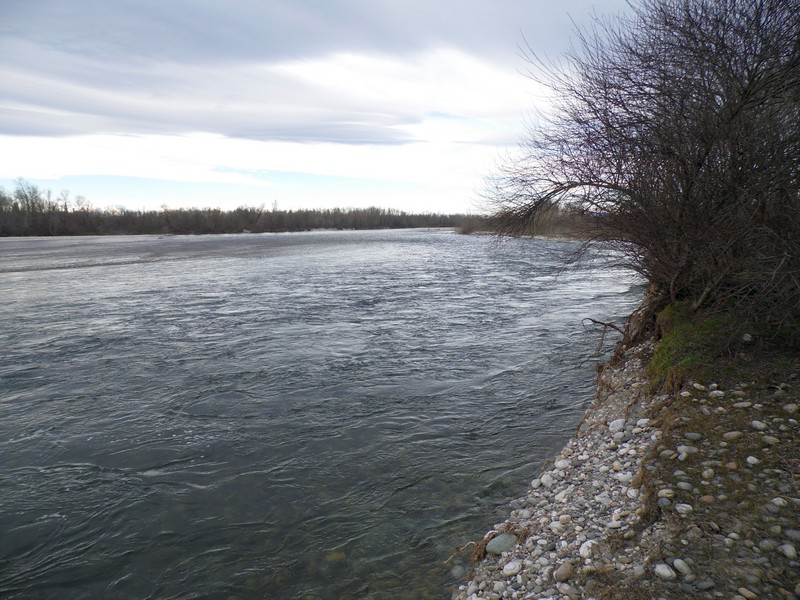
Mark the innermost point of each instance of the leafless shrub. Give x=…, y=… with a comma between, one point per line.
x=676, y=130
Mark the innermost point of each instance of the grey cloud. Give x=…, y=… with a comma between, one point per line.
x=156, y=66
x=210, y=30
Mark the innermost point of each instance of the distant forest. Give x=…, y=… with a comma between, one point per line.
x=30, y=211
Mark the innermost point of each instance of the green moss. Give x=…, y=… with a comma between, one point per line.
x=688, y=345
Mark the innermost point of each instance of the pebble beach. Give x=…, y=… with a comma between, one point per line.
x=689, y=495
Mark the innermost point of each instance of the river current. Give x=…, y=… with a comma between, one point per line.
x=312, y=415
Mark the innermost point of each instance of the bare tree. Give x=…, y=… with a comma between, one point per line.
x=676, y=128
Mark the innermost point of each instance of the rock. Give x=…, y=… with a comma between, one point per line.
x=789, y=551
x=792, y=534
x=780, y=502
x=586, y=549
x=767, y=545
x=732, y=435
x=665, y=572
x=562, y=464
x=682, y=566
x=501, y=543
x=716, y=394
x=708, y=473
x=747, y=593
x=759, y=425
x=683, y=509
x=690, y=435
x=547, y=480
x=790, y=408
x=616, y=425
x=564, y=572
x=752, y=461
x=536, y=483
x=512, y=568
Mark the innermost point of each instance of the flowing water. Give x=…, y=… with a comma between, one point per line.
x=316, y=415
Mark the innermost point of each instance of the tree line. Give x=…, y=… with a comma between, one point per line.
x=31, y=211
x=676, y=132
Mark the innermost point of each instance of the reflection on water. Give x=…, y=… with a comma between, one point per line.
x=321, y=415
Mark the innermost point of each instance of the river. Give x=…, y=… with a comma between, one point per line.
x=311, y=415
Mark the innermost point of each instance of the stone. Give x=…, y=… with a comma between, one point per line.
x=564, y=572
x=683, y=509
x=586, y=549
x=501, y=543
x=547, y=480
x=512, y=568
x=789, y=551
x=708, y=473
x=665, y=572
x=753, y=461
x=790, y=408
x=562, y=464
x=747, y=593
x=616, y=425
x=682, y=566
x=792, y=534
x=732, y=435
x=705, y=584
x=759, y=425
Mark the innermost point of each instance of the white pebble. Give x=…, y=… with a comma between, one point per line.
x=512, y=568
x=682, y=566
x=616, y=425
x=665, y=571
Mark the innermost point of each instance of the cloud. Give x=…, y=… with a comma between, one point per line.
x=417, y=94
x=346, y=97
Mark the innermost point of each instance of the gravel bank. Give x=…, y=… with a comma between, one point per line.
x=694, y=495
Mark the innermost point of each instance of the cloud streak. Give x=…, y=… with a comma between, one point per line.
x=364, y=86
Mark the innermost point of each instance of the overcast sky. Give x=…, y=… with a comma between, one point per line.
x=308, y=103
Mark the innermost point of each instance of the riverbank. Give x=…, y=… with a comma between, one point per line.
x=686, y=495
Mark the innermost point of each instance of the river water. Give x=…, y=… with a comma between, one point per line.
x=315, y=415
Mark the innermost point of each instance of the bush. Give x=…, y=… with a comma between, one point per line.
x=677, y=131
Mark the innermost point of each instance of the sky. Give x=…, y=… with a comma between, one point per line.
x=404, y=104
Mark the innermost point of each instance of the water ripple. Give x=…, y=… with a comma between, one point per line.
x=308, y=416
